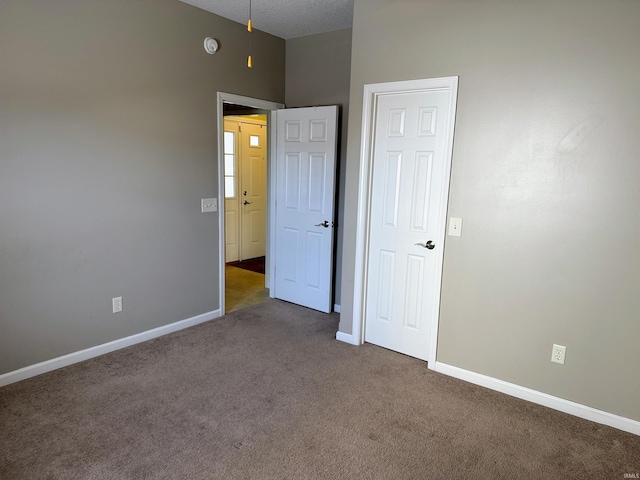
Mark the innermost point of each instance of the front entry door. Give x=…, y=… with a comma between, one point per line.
x=253, y=190
x=245, y=187
x=408, y=190
x=305, y=183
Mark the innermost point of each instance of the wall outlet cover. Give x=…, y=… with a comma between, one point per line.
x=558, y=352
x=116, y=303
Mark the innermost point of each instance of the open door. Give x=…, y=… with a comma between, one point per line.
x=303, y=186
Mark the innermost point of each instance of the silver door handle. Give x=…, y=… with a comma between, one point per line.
x=246, y=203
x=324, y=224
x=429, y=245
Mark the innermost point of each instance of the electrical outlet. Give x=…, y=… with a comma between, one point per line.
x=558, y=353
x=117, y=304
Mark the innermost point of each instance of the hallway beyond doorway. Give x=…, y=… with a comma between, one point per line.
x=243, y=288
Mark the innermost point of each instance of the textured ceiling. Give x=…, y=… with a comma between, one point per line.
x=284, y=18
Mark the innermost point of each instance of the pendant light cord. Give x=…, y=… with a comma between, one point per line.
x=250, y=29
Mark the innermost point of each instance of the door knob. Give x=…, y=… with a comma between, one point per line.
x=429, y=245
x=324, y=224
x=246, y=203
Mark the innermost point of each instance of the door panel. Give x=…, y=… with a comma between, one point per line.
x=407, y=190
x=305, y=179
x=253, y=191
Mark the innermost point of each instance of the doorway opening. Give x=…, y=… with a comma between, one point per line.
x=243, y=199
x=245, y=179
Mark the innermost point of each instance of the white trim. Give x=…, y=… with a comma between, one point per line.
x=371, y=94
x=566, y=406
x=270, y=266
x=346, y=338
x=223, y=98
x=336, y=308
x=248, y=101
x=82, y=355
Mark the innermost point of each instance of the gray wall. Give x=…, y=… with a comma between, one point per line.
x=107, y=143
x=545, y=175
x=318, y=71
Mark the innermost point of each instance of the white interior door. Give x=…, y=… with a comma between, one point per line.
x=304, y=205
x=253, y=190
x=409, y=186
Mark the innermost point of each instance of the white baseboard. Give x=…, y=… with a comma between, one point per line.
x=336, y=308
x=566, y=406
x=76, y=357
x=346, y=338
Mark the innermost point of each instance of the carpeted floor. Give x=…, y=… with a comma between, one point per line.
x=268, y=393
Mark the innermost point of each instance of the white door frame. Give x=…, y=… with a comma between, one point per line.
x=254, y=103
x=371, y=94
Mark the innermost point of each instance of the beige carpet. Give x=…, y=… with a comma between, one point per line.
x=268, y=393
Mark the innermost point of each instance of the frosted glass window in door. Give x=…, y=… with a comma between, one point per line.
x=229, y=165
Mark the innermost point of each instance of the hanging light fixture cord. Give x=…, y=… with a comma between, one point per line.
x=249, y=29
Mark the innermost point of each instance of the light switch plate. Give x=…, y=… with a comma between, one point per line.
x=209, y=205
x=455, y=227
